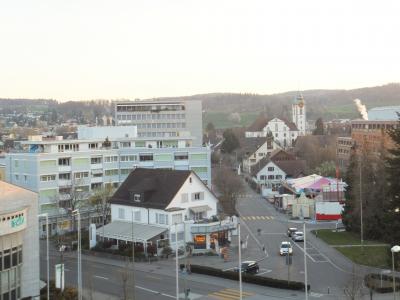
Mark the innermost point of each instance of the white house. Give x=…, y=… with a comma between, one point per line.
x=278, y=166
x=158, y=206
x=256, y=150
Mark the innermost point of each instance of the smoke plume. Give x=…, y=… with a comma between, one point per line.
x=362, y=109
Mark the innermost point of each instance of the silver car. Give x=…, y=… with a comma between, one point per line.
x=298, y=236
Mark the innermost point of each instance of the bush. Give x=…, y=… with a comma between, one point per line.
x=259, y=280
x=69, y=293
x=372, y=281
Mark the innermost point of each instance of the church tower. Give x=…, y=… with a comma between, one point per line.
x=299, y=114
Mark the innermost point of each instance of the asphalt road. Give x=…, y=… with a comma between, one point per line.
x=323, y=275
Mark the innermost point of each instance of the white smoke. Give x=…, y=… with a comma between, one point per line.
x=362, y=109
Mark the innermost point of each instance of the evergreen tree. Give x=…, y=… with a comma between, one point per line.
x=392, y=209
x=319, y=127
x=230, y=142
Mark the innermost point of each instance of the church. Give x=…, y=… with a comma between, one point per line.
x=283, y=131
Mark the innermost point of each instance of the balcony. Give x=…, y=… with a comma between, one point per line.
x=209, y=226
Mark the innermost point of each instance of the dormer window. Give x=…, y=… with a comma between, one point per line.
x=136, y=197
x=190, y=179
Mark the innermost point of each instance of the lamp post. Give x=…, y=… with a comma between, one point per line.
x=46, y=215
x=305, y=261
x=77, y=213
x=133, y=262
x=240, y=261
x=394, y=249
x=176, y=261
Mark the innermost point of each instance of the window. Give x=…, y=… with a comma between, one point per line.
x=109, y=159
x=176, y=218
x=125, y=144
x=198, y=216
x=271, y=169
x=184, y=197
x=181, y=156
x=64, y=161
x=47, y=177
x=125, y=171
x=271, y=176
x=198, y=196
x=128, y=158
x=162, y=219
x=93, y=146
x=121, y=213
x=146, y=157
x=137, y=216
x=111, y=172
x=64, y=176
x=95, y=160
x=136, y=197
x=80, y=175
x=181, y=236
x=263, y=177
x=278, y=176
x=16, y=177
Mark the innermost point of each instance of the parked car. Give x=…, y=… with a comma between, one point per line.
x=298, y=236
x=286, y=248
x=250, y=267
x=290, y=231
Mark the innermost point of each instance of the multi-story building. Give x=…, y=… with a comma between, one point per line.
x=66, y=171
x=19, y=243
x=371, y=136
x=161, y=118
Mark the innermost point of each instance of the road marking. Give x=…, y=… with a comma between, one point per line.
x=101, y=277
x=253, y=236
x=154, y=292
x=316, y=295
x=153, y=277
x=265, y=272
x=229, y=294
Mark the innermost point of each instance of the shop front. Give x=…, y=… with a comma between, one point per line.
x=211, y=236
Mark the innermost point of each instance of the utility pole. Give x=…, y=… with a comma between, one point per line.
x=305, y=262
x=240, y=261
x=133, y=263
x=361, y=209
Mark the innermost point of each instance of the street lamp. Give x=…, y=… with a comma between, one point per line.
x=240, y=260
x=305, y=261
x=46, y=215
x=77, y=213
x=394, y=249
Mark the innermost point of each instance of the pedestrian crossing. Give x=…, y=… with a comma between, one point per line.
x=229, y=294
x=257, y=218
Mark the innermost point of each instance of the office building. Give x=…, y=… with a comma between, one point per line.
x=19, y=243
x=161, y=118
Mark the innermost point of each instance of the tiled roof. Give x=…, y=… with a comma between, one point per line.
x=157, y=187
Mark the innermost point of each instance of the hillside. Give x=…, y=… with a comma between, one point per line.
x=229, y=110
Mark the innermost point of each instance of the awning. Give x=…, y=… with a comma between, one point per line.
x=123, y=231
x=200, y=208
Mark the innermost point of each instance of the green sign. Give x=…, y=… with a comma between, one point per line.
x=18, y=221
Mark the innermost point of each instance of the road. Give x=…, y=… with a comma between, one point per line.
x=323, y=274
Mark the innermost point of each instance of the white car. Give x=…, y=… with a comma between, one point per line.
x=286, y=248
x=298, y=236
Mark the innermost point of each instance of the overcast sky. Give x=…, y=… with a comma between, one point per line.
x=84, y=49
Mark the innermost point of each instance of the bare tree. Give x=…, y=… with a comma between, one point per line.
x=230, y=186
x=353, y=289
x=100, y=200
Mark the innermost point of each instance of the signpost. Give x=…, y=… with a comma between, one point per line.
x=60, y=276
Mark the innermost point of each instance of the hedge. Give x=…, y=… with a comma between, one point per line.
x=377, y=278
x=259, y=280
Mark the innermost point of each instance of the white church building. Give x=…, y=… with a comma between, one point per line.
x=283, y=131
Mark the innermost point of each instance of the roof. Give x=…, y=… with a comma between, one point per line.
x=157, y=187
x=123, y=231
x=287, y=162
x=292, y=168
x=263, y=121
x=250, y=145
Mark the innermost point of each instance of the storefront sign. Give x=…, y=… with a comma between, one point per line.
x=18, y=221
x=13, y=222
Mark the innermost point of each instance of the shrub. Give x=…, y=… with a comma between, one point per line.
x=259, y=280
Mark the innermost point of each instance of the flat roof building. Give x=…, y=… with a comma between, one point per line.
x=19, y=242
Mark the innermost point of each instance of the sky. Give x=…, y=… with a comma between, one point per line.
x=94, y=49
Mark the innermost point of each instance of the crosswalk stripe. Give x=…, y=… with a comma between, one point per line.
x=263, y=217
x=229, y=294
x=254, y=218
x=258, y=217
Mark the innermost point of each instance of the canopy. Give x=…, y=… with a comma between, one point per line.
x=200, y=208
x=123, y=231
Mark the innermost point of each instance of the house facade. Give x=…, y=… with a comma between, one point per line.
x=256, y=152
x=176, y=206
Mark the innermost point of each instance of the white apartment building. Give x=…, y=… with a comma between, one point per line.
x=59, y=170
x=162, y=118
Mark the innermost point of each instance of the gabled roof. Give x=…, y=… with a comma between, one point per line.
x=157, y=187
x=262, y=121
x=250, y=145
x=287, y=162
